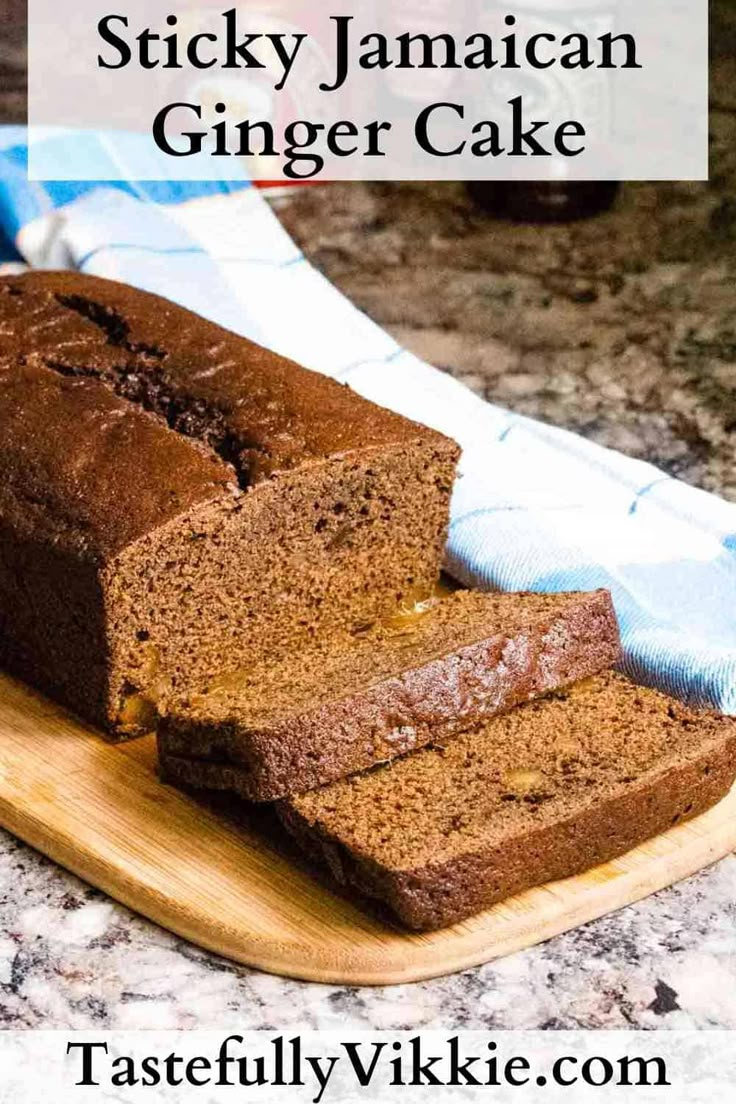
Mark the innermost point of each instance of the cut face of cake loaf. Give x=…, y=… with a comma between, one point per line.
x=177, y=502
x=543, y=792
x=354, y=700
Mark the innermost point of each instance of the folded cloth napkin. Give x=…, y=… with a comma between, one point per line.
x=537, y=508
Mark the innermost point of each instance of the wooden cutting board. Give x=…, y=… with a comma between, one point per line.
x=100, y=810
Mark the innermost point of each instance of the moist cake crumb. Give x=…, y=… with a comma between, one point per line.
x=540, y=793
x=354, y=700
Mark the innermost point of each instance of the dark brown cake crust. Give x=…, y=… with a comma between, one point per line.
x=475, y=867
x=373, y=698
x=175, y=500
x=239, y=413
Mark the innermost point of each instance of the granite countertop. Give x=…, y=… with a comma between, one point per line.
x=622, y=328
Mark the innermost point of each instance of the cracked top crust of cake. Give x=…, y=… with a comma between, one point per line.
x=124, y=388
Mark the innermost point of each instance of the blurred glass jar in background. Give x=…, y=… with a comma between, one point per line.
x=544, y=200
x=556, y=198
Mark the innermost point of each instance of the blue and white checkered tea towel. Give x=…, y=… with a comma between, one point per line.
x=537, y=508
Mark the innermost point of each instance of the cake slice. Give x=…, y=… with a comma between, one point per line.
x=543, y=792
x=366, y=698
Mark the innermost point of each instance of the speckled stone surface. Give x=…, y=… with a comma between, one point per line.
x=69, y=957
x=622, y=328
